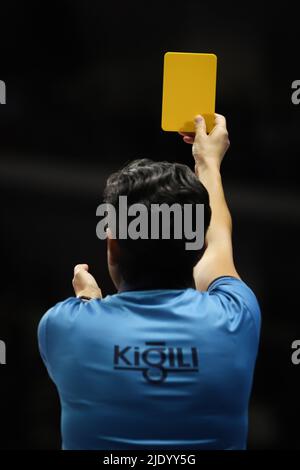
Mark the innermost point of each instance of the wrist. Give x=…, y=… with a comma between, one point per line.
x=89, y=293
x=204, y=167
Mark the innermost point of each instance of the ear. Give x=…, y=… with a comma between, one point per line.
x=113, y=249
x=113, y=256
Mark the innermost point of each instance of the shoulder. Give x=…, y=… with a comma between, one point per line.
x=232, y=286
x=56, y=314
x=236, y=297
x=66, y=313
x=63, y=318
x=61, y=309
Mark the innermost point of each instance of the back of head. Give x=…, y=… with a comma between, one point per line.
x=161, y=263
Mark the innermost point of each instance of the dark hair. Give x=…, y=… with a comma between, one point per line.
x=163, y=263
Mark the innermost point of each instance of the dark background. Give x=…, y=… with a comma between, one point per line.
x=84, y=90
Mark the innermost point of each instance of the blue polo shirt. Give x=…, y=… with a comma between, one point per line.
x=154, y=369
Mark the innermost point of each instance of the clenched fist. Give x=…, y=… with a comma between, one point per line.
x=84, y=283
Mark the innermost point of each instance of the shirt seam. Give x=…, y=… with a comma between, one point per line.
x=221, y=277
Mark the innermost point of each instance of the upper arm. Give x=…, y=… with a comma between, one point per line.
x=216, y=261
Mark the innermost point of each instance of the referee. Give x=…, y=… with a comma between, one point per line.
x=167, y=361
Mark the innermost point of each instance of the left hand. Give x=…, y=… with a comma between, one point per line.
x=84, y=283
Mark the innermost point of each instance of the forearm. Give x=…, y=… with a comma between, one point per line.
x=208, y=151
x=217, y=259
x=220, y=227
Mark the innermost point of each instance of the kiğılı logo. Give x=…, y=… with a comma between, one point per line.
x=156, y=360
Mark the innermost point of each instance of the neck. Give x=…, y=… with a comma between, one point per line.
x=153, y=284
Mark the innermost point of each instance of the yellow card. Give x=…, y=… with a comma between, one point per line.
x=189, y=88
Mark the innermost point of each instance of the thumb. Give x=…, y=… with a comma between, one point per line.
x=200, y=125
x=80, y=267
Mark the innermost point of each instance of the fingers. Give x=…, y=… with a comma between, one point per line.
x=188, y=140
x=200, y=126
x=220, y=120
x=200, y=123
x=80, y=267
x=188, y=137
x=190, y=134
x=220, y=125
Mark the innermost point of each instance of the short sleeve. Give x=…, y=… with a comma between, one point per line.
x=55, y=316
x=237, y=299
x=42, y=339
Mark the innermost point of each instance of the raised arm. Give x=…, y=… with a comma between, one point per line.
x=208, y=152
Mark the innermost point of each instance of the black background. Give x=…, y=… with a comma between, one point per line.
x=84, y=90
